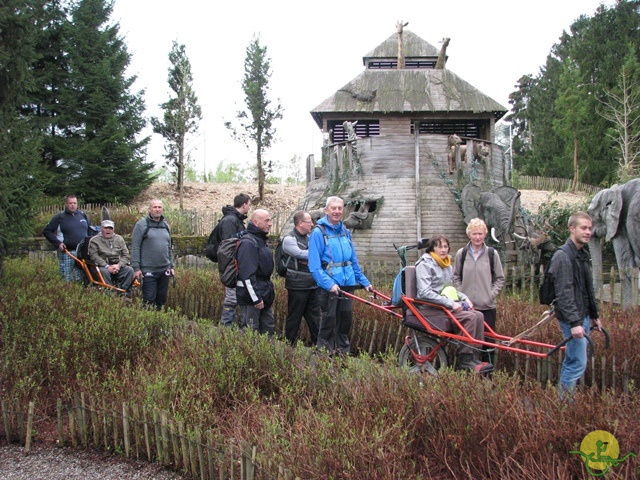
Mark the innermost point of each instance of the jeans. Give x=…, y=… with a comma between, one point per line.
x=575, y=358
x=155, y=286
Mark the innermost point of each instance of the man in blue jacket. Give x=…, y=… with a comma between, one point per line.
x=254, y=290
x=334, y=266
x=65, y=231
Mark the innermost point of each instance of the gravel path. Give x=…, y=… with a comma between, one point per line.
x=52, y=463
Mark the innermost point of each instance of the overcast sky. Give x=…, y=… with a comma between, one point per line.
x=317, y=47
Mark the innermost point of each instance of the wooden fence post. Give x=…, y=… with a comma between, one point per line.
x=27, y=443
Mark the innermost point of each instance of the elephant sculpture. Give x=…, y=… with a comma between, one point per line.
x=616, y=218
x=500, y=209
x=355, y=220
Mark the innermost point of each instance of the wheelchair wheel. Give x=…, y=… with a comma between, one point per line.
x=417, y=350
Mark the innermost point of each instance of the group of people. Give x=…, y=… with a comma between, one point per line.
x=322, y=264
x=150, y=260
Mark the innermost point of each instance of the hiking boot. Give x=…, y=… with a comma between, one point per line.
x=469, y=362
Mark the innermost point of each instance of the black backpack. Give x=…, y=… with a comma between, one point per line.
x=228, y=258
x=282, y=260
x=213, y=243
x=547, y=290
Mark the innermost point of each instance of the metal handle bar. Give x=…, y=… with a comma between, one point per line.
x=607, y=342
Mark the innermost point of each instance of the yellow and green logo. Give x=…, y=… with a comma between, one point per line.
x=601, y=452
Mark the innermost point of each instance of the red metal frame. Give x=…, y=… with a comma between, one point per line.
x=463, y=336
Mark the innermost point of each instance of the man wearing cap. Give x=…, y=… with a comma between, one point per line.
x=110, y=253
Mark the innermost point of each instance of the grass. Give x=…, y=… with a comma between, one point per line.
x=357, y=417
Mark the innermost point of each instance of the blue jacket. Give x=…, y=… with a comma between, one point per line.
x=255, y=266
x=333, y=261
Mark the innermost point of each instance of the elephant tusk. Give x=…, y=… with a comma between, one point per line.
x=493, y=235
x=519, y=236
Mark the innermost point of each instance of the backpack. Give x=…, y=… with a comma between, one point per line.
x=281, y=259
x=547, y=290
x=163, y=225
x=213, y=243
x=491, y=252
x=227, y=256
x=398, y=289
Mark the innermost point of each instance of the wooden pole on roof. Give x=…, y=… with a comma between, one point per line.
x=399, y=27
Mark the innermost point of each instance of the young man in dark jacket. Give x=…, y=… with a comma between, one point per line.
x=303, y=294
x=575, y=305
x=254, y=290
x=65, y=231
x=232, y=223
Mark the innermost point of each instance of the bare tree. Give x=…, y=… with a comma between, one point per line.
x=622, y=109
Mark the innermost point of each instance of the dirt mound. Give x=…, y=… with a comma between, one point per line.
x=211, y=197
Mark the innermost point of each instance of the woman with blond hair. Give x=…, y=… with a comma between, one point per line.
x=478, y=272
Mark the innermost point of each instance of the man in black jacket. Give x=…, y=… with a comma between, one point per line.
x=575, y=304
x=65, y=231
x=232, y=223
x=255, y=292
x=303, y=294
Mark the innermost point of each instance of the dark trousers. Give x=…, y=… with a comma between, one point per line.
x=155, y=286
x=302, y=303
x=490, y=319
x=335, y=324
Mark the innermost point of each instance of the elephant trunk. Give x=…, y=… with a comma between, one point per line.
x=595, y=248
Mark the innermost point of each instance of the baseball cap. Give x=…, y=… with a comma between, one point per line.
x=107, y=223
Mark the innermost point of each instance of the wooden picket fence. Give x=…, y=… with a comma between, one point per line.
x=141, y=433
x=527, y=182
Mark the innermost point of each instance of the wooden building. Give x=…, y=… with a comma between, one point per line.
x=401, y=143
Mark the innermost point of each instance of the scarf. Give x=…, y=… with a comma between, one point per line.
x=444, y=263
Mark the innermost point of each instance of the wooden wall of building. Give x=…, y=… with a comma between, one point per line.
x=386, y=170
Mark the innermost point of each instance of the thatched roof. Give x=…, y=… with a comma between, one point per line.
x=418, y=91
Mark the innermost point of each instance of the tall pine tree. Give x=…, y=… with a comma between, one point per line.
x=21, y=177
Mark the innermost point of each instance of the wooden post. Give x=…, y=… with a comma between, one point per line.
x=135, y=414
x=114, y=423
x=165, y=438
x=59, y=417
x=72, y=427
x=145, y=424
x=175, y=444
x=183, y=444
x=95, y=423
x=105, y=425
x=157, y=436
x=210, y=456
x=201, y=463
x=125, y=430
x=27, y=443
